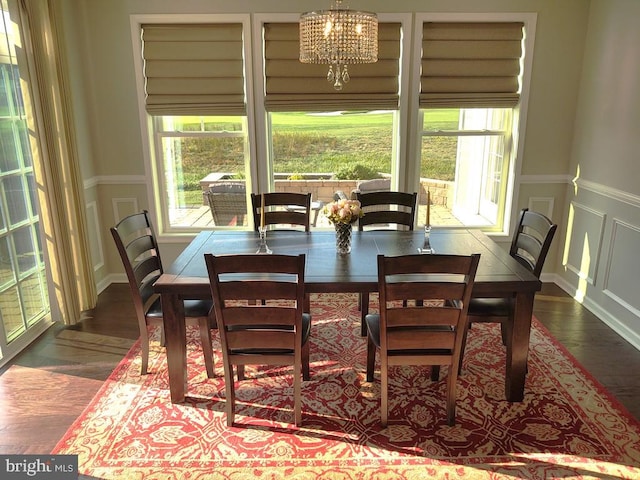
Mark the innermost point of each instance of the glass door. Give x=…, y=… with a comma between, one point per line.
x=24, y=300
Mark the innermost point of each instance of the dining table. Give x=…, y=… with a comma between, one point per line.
x=326, y=271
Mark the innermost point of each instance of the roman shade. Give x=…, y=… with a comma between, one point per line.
x=470, y=64
x=194, y=69
x=294, y=86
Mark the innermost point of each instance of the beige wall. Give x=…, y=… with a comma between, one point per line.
x=599, y=261
x=558, y=140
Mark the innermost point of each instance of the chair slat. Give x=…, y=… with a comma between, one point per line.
x=258, y=289
x=424, y=340
x=259, y=315
x=260, y=339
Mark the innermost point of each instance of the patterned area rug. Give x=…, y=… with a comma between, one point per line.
x=568, y=426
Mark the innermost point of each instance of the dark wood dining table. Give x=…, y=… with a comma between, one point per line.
x=498, y=275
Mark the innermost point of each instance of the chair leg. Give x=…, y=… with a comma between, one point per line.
x=144, y=369
x=364, y=310
x=451, y=397
x=435, y=373
x=230, y=393
x=306, y=374
x=297, y=397
x=207, y=347
x=463, y=346
x=371, y=359
x=384, y=393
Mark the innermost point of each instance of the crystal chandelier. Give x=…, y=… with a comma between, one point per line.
x=338, y=37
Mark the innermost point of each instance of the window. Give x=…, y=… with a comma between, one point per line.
x=465, y=159
x=195, y=153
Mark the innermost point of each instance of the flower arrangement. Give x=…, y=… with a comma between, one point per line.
x=343, y=211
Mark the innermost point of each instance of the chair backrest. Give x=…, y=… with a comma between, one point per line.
x=138, y=248
x=532, y=239
x=387, y=207
x=252, y=331
x=429, y=331
x=282, y=208
x=228, y=202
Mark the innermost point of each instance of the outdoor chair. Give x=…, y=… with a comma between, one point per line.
x=371, y=185
x=252, y=333
x=529, y=246
x=136, y=243
x=409, y=332
x=228, y=202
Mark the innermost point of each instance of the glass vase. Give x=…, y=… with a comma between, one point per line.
x=343, y=238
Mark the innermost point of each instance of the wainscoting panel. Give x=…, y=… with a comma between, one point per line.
x=123, y=207
x=543, y=205
x=622, y=269
x=584, y=239
x=95, y=238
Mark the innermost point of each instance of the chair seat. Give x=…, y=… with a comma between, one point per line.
x=192, y=308
x=489, y=307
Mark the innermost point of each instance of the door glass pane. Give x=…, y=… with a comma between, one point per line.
x=32, y=290
x=11, y=313
x=7, y=276
x=14, y=192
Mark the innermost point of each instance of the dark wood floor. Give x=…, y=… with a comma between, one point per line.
x=45, y=388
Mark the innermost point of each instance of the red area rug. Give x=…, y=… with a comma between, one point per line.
x=568, y=426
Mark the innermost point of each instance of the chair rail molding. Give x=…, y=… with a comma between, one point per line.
x=114, y=180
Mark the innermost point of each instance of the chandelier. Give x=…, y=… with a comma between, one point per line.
x=338, y=37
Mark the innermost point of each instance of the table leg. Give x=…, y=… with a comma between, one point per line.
x=176, y=345
x=518, y=347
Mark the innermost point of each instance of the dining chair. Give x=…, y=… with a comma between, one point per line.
x=253, y=333
x=410, y=332
x=282, y=208
x=136, y=242
x=529, y=246
x=381, y=209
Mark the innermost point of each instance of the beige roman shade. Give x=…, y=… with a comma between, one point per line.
x=294, y=86
x=194, y=69
x=470, y=64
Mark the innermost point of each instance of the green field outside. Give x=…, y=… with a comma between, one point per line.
x=351, y=146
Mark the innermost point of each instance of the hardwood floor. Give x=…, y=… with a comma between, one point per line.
x=44, y=389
